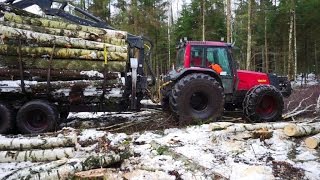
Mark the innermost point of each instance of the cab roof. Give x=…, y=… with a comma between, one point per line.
x=210, y=43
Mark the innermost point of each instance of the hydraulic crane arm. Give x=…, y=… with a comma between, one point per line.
x=46, y=7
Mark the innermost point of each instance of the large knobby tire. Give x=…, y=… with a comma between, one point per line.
x=197, y=96
x=37, y=116
x=263, y=103
x=165, y=96
x=6, y=116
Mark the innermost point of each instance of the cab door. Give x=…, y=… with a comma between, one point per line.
x=221, y=56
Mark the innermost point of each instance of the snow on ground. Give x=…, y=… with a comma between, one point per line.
x=205, y=152
x=310, y=80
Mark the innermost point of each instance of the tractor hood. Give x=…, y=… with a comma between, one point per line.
x=249, y=79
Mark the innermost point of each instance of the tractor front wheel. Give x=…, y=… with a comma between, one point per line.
x=197, y=98
x=263, y=103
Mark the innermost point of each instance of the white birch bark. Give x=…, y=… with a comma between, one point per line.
x=313, y=141
x=296, y=130
x=252, y=127
x=36, y=155
x=36, y=143
x=63, y=41
x=43, y=22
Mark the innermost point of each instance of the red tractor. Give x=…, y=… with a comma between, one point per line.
x=205, y=81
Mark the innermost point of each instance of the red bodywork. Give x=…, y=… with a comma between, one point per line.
x=249, y=79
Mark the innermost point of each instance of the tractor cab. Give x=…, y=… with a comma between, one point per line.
x=210, y=57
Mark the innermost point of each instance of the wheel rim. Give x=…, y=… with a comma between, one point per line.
x=199, y=101
x=267, y=106
x=36, y=120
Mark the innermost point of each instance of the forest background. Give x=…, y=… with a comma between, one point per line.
x=276, y=36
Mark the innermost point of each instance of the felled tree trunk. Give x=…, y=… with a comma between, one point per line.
x=63, y=25
x=62, y=53
x=49, y=40
x=252, y=127
x=313, y=142
x=18, y=11
x=68, y=33
x=63, y=169
x=36, y=143
x=36, y=155
x=296, y=130
x=24, y=172
x=62, y=64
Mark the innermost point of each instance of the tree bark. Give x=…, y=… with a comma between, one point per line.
x=62, y=53
x=295, y=130
x=12, y=62
x=64, y=25
x=20, y=144
x=229, y=38
x=290, y=52
x=36, y=155
x=248, y=64
x=24, y=172
x=313, y=142
x=68, y=33
x=252, y=127
x=63, y=41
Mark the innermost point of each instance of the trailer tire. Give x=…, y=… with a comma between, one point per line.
x=263, y=103
x=197, y=96
x=37, y=116
x=165, y=96
x=6, y=117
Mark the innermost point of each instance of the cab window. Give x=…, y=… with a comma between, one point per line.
x=219, y=55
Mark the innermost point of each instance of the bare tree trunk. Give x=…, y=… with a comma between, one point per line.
x=290, y=52
x=266, y=38
x=248, y=64
x=229, y=38
x=203, y=7
x=295, y=45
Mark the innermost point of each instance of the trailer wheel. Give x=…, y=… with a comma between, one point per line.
x=197, y=96
x=263, y=103
x=37, y=116
x=6, y=116
x=165, y=96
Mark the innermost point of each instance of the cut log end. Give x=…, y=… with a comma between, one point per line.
x=311, y=143
x=290, y=130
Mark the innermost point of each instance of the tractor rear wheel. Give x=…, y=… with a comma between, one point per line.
x=263, y=103
x=197, y=96
x=37, y=116
x=6, y=116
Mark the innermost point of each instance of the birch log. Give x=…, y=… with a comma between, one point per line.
x=36, y=143
x=252, y=127
x=18, y=11
x=64, y=25
x=62, y=53
x=36, y=155
x=313, y=141
x=12, y=62
x=68, y=33
x=63, y=41
x=66, y=170
x=295, y=130
x=24, y=172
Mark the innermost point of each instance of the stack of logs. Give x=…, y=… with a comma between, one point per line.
x=299, y=130
x=40, y=43
x=57, y=155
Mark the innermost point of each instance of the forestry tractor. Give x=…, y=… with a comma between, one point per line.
x=205, y=81
x=46, y=72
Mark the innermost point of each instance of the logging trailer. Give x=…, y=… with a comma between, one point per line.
x=37, y=93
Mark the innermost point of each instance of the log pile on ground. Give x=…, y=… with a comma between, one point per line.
x=56, y=49
x=60, y=155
